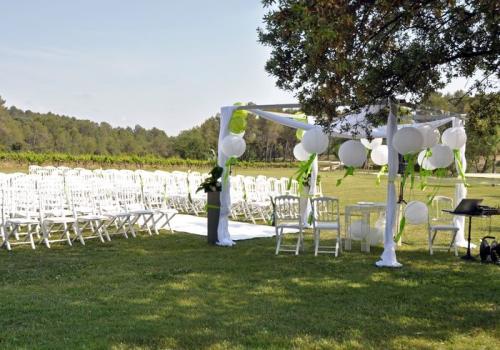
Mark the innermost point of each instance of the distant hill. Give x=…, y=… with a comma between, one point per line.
x=266, y=141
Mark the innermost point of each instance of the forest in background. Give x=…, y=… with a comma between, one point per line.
x=28, y=134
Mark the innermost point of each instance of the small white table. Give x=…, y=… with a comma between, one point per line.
x=363, y=209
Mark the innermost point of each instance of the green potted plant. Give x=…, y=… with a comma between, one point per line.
x=212, y=186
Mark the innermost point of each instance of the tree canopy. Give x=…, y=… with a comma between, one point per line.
x=353, y=53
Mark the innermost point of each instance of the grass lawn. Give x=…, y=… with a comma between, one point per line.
x=174, y=291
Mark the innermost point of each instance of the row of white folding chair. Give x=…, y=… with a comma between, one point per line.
x=251, y=196
x=55, y=212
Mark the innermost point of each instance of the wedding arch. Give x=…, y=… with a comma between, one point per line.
x=388, y=257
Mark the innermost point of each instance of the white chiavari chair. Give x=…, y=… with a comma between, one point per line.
x=286, y=215
x=325, y=217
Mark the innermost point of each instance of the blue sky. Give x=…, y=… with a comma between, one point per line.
x=168, y=64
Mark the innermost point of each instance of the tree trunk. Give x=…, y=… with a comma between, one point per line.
x=494, y=167
x=485, y=165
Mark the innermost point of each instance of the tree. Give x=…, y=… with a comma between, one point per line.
x=354, y=53
x=483, y=131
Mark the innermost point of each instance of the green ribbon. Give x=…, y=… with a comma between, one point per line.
x=409, y=172
x=424, y=173
x=271, y=220
x=349, y=171
x=310, y=219
x=300, y=117
x=305, y=169
x=229, y=163
x=458, y=160
x=410, y=168
x=383, y=170
x=402, y=224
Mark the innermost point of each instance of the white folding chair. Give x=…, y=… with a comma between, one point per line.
x=286, y=212
x=155, y=197
x=23, y=220
x=56, y=216
x=86, y=213
x=326, y=216
x=441, y=222
x=109, y=206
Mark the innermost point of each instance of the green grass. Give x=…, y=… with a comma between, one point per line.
x=174, y=291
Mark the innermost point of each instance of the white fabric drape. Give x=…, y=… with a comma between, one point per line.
x=282, y=119
x=223, y=235
x=338, y=128
x=460, y=193
x=388, y=258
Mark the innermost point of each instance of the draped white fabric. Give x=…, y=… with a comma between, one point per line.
x=388, y=258
x=460, y=193
x=223, y=235
x=338, y=129
x=283, y=119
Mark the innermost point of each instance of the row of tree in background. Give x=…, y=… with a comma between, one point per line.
x=25, y=131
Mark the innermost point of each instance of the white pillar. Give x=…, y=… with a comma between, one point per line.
x=388, y=257
x=460, y=193
x=306, y=209
x=223, y=235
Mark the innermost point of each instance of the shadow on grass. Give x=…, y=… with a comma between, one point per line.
x=173, y=291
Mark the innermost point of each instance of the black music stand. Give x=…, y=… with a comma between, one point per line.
x=467, y=207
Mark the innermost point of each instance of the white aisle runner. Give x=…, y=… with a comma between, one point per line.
x=239, y=230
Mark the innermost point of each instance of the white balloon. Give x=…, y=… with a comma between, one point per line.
x=416, y=213
x=454, y=137
x=424, y=161
x=371, y=144
x=408, y=140
x=315, y=141
x=352, y=153
x=233, y=146
x=376, y=235
x=359, y=230
x=380, y=155
x=431, y=136
x=300, y=153
x=442, y=156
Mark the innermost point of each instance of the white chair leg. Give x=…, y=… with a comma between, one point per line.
x=430, y=242
x=66, y=233
x=32, y=240
x=131, y=226
x=78, y=233
x=299, y=241
x=455, y=247
x=316, y=241
x=338, y=245
x=278, y=240
x=45, y=235
x=339, y=240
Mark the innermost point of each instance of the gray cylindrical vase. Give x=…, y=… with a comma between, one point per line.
x=213, y=211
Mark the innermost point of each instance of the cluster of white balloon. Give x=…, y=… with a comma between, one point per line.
x=314, y=141
x=409, y=141
x=432, y=156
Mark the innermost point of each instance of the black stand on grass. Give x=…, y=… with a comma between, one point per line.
x=468, y=256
